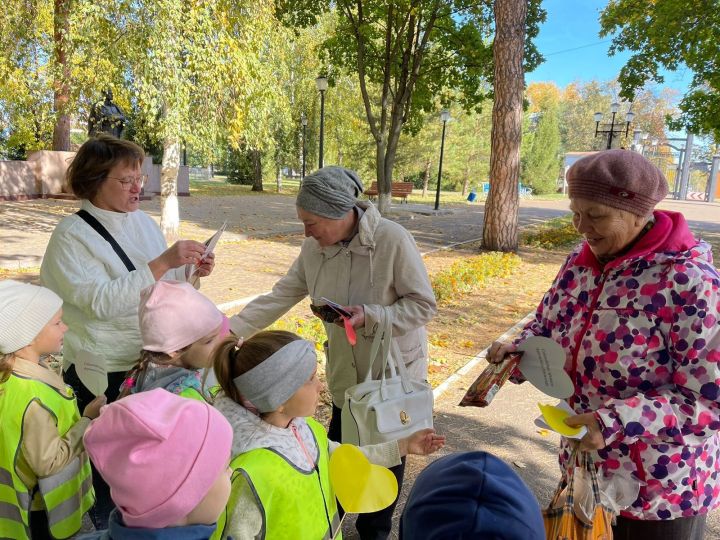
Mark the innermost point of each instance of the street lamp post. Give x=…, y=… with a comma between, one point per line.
x=444, y=116
x=610, y=128
x=303, y=121
x=322, y=83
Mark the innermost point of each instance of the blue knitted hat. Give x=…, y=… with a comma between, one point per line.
x=471, y=495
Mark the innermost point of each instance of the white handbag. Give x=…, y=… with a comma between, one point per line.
x=388, y=409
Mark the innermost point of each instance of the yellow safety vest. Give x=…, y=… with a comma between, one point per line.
x=68, y=494
x=295, y=504
x=192, y=393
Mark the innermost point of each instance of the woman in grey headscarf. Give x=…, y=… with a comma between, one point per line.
x=360, y=260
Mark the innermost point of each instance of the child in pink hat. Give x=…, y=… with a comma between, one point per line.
x=165, y=459
x=180, y=328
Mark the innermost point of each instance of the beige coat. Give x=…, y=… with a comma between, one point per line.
x=381, y=266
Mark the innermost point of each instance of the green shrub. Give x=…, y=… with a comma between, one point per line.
x=310, y=328
x=553, y=234
x=466, y=275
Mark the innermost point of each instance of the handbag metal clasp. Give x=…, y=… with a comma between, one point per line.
x=404, y=417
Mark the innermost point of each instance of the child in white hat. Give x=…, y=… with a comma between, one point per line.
x=180, y=328
x=45, y=482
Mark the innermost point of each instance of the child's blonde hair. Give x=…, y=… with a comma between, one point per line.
x=230, y=361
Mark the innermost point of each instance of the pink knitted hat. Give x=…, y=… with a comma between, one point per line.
x=159, y=453
x=619, y=178
x=174, y=315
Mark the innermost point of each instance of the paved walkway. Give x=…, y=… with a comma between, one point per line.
x=25, y=227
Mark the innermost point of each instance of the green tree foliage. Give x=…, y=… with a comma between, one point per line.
x=667, y=34
x=467, y=148
x=407, y=55
x=579, y=101
x=38, y=91
x=541, y=165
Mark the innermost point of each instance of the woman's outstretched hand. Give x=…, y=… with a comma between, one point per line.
x=421, y=443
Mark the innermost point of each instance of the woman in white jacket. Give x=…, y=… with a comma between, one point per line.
x=358, y=259
x=99, y=282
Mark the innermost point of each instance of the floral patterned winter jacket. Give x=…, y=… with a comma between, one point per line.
x=642, y=337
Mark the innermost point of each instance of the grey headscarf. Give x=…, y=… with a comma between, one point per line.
x=330, y=192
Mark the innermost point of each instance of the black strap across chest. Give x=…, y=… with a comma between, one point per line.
x=88, y=218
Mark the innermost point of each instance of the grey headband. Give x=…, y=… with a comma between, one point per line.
x=330, y=192
x=274, y=381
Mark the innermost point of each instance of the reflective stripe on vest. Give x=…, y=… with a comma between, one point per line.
x=294, y=503
x=66, y=495
x=64, y=500
x=13, y=515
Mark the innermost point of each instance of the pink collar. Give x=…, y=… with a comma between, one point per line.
x=670, y=233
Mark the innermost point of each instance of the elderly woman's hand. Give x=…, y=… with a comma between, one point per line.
x=499, y=350
x=206, y=266
x=593, y=439
x=358, y=316
x=180, y=253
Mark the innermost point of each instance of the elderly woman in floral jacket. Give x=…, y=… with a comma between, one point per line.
x=636, y=308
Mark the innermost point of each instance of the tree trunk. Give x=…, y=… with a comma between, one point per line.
x=384, y=197
x=257, y=170
x=61, y=82
x=278, y=179
x=169, y=212
x=466, y=181
x=500, y=228
x=426, y=177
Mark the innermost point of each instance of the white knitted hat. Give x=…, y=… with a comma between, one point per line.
x=24, y=311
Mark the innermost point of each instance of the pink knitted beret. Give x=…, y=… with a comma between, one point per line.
x=618, y=178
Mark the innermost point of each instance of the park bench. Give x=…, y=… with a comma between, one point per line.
x=400, y=190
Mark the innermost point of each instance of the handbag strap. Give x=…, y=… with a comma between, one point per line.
x=569, y=478
x=88, y=218
x=380, y=345
x=586, y=462
x=384, y=344
x=590, y=467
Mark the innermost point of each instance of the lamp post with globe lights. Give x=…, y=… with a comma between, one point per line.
x=613, y=128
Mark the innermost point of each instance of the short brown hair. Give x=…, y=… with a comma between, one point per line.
x=230, y=362
x=93, y=161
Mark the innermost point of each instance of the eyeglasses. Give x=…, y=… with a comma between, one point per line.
x=127, y=181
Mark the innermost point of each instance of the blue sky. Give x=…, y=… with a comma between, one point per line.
x=574, y=51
